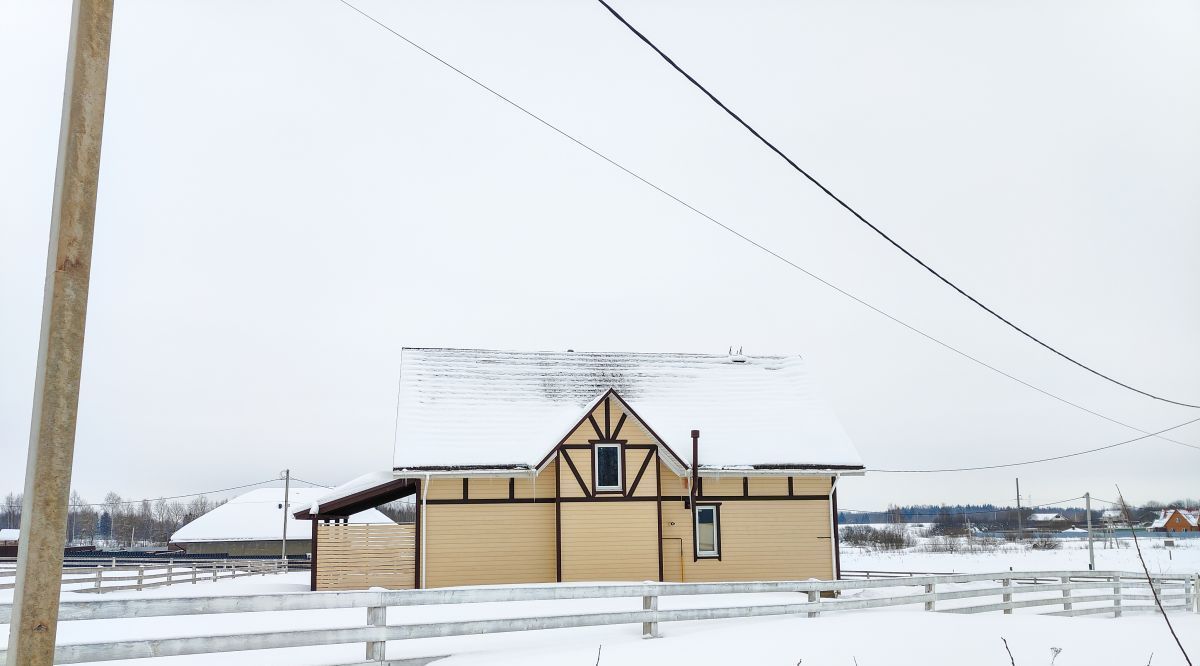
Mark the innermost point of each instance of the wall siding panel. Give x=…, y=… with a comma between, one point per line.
x=609, y=541
x=488, y=544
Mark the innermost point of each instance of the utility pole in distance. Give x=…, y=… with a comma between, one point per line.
x=1087, y=503
x=1020, y=530
x=60, y=348
x=287, y=481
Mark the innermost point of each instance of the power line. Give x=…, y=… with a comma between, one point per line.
x=1032, y=462
x=867, y=222
x=319, y=485
x=756, y=244
x=207, y=492
x=747, y=239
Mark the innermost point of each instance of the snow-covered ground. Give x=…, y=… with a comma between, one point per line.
x=885, y=636
x=1184, y=557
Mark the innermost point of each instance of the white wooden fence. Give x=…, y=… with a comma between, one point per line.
x=1076, y=592
x=113, y=574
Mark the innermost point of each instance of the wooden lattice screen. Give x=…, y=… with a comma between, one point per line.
x=357, y=557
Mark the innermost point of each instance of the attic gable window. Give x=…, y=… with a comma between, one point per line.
x=608, y=467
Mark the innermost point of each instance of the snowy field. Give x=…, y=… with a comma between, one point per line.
x=885, y=636
x=1120, y=555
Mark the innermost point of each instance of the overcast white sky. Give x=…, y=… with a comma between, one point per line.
x=289, y=194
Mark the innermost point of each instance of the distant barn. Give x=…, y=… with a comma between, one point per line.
x=8, y=542
x=252, y=524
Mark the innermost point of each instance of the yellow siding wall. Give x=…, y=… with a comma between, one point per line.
x=488, y=488
x=483, y=544
x=444, y=488
x=609, y=541
x=583, y=464
x=634, y=458
x=769, y=485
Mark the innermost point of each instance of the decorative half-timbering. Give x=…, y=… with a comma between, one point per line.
x=566, y=466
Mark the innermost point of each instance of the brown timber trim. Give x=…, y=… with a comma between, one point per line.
x=791, y=488
x=637, y=479
x=557, y=515
x=745, y=486
x=418, y=535
x=708, y=499
x=512, y=488
x=466, y=486
x=837, y=535
x=312, y=585
x=658, y=499
x=591, y=408
x=578, y=477
x=607, y=418
x=500, y=500
x=595, y=426
x=620, y=422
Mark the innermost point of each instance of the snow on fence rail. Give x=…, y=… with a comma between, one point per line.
x=114, y=574
x=1178, y=592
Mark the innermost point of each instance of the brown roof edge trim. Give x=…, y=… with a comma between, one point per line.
x=784, y=467
x=516, y=467
x=363, y=499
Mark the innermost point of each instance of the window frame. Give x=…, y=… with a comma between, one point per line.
x=716, y=552
x=619, y=487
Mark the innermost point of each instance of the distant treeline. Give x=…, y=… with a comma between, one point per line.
x=117, y=522
x=991, y=516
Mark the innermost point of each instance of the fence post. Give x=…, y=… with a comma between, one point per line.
x=141, y=578
x=377, y=617
x=1196, y=594
x=194, y=569
x=929, y=590
x=1066, y=594
x=170, y=571
x=1117, y=591
x=1007, y=598
x=814, y=597
x=650, y=603
x=215, y=569
x=99, y=576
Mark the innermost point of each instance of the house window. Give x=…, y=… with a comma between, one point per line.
x=608, y=467
x=708, y=530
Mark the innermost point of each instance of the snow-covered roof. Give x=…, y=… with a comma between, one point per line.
x=353, y=486
x=9, y=534
x=1046, y=517
x=505, y=409
x=258, y=516
x=1113, y=514
x=1191, y=517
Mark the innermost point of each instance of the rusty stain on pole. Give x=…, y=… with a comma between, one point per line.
x=60, y=348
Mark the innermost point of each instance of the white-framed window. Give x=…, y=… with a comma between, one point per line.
x=708, y=530
x=608, y=467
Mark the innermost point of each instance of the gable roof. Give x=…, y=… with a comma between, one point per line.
x=1192, y=518
x=482, y=409
x=258, y=516
x=1046, y=517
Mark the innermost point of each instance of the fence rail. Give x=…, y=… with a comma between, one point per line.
x=1118, y=589
x=115, y=574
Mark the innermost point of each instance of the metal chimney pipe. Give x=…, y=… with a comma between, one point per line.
x=695, y=465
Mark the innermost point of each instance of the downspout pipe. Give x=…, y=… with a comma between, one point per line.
x=833, y=534
x=424, y=528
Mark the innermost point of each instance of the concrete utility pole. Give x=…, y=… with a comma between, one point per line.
x=1087, y=503
x=1020, y=531
x=287, y=481
x=60, y=349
